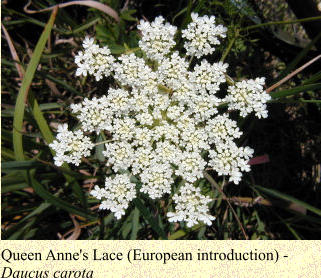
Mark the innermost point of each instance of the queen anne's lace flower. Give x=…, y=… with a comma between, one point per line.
x=191, y=166
x=70, y=146
x=191, y=207
x=203, y=106
x=143, y=157
x=196, y=140
x=140, y=100
x=119, y=154
x=157, y=180
x=116, y=195
x=167, y=152
x=221, y=129
x=228, y=159
x=209, y=77
x=201, y=35
x=94, y=60
x=163, y=123
x=133, y=71
x=248, y=96
x=119, y=101
x=184, y=93
x=124, y=128
x=173, y=71
x=157, y=38
x=94, y=115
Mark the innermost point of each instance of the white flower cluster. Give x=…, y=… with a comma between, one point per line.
x=70, y=146
x=202, y=34
x=116, y=195
x=228, y=159
x=94, y=60
x=163, y=125
x=191, y=207
x=248, y=96
x=157, y=38
x=93, y=114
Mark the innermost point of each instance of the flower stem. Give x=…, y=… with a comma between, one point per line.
x=164, y=89
x=229, y=47
x=229, y=79
x=214, y=184
x=131, y=50
x=103, y=142
x=281, y=22
x=190, y=60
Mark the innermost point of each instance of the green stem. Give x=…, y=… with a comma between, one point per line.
x=229, y=47
x=229, y=79
x=103, y=142
x=281, y=22
x=215, y=184
x=191, y=60
x=164, y=89
x=128, y=51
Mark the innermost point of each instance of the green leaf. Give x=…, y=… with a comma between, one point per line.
x=17, y=230
x=19, y=165
x=313, y=78
x=100, y=148
x=48, y=106
x=309, y=100
x=13, y=187
x=59, y=82
x=116, y=49
x=182, y=233
x=296, y=90
x=125, y=229
x=104, y=34
x=179, y=13
x=135, y=224
x=25, y=86
x=7, y=153
x=295, y=234
x=46, y=195
x=46, y=132
x=288, y=198
x=35, y=21
x=12, y=178
x=149, y=218
x=85, y=26
x=6, y=136
x=127, y=15
x=41, y=121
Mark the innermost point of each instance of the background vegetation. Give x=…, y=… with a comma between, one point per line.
x=280, y=197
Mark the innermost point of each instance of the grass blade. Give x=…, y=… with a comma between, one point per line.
x=181, y=233
x=289, y=76
x=13, y=187
x=147, y=215
x=288, y=198
x=307, y=19
x=19, y=165
x=135, y=224
x=294, y=91
x=41, y=121
x=299, y=57
x=46, y=195
x=314, y=78
x=24, y=89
